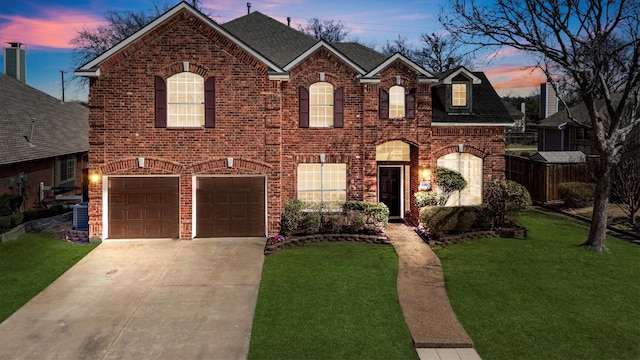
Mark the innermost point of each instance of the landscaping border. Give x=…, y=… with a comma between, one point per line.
x=272, y=245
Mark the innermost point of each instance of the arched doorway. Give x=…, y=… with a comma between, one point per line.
x=393, y=164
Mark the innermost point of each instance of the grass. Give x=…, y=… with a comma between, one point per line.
x=330, y=301
x=545, y=298
x=29, y=264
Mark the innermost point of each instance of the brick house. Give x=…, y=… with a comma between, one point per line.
x=199, y=129
x=44, y=141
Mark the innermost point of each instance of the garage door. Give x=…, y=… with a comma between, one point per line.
x=230, y=207
x=143, y=207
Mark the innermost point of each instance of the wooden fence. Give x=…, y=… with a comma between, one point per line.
x=542, y=179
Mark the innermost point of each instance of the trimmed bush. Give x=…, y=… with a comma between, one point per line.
x=356, y=220
x=54, y=210
x=290, y=219
x=332, y=224
x=9, y=204
x=377, y=213
x=310, y=223
x=506, y=198
x=441, y=220
x=429, y=198
x=577, y=194
x=448, y=181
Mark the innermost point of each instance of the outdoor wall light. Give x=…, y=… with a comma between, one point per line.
x=425, y=180
x=94, y=178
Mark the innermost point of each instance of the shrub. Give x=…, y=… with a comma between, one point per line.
x=356, y=220
x=441, y=220
x=448, y=181
x=429, y=198
x=54, y=210
x=5, y=224
x=506, y=198
x=310, y=223
x=290, y=219
x=9, y=204
x=577, y=194
x=377, y=213
x=332, y=224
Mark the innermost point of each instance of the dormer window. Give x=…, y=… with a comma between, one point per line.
x=459, y=94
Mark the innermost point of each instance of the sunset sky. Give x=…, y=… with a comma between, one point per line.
x=46, y=27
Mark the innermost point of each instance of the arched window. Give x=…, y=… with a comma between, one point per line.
x=470, y=167
x=321, y=104
x=396, y=102
x=185, y=100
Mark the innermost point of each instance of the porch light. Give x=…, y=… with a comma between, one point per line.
x=425, y=180
x=94, y=178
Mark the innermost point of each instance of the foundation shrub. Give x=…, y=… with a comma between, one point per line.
x=356, y=221
x=442, y=220
x=291, y=217
x=577, y=194
x=310, y=223
x=9, y=204
x=332, y=224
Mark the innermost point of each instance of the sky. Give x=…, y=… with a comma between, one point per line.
x=46, y=28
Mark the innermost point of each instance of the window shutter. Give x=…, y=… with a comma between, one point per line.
x=210, y=102
x=161, y=102
x=383, y=104
x=303, y=104
x=338, y=108
x=410, y=103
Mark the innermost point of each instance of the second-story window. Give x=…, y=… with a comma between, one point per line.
x=459, y=94
x=396, y=102
x=321, y=106
x=185, y=95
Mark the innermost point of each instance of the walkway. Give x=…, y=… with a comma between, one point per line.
x=436, y=332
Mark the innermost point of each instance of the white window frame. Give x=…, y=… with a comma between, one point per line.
x=185, y=100
x=321, y=104
x=458, y=95
x=69, y=162
x=397, y=106
x=308, y=184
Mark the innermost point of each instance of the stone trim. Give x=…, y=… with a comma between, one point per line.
x=295, y=240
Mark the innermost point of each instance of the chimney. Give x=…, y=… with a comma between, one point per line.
x=289, y=21
x=15, y=63
x=248, y=8
x=548, y=101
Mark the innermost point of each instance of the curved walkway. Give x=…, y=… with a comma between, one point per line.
x=434, y=327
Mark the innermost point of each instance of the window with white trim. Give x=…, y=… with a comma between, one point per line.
x=470, y=167
x=185, y=100
x=67, y=168
x=396, y=102
x=321, y=104
x=459, y=94
x=322, y=185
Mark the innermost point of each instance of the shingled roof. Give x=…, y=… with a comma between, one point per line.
x=60, y=128
x=487, y=106
x=282, y=44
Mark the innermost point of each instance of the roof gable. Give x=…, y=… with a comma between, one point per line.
x=375, y=72
x=448, y=77
x=59, y=128
x=92, y=68
x=319, y=45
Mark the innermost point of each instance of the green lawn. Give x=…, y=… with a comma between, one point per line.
x=545, y=298
x=29, y=264
x=330, y=301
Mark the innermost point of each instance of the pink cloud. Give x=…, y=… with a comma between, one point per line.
x=54, y=28
x=513, y=77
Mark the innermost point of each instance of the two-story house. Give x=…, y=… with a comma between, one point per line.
x=199, y=129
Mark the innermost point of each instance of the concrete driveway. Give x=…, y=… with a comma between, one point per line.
x=155, y=299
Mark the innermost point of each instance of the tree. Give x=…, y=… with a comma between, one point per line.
x=594, y=45
x=327, y=30
x=441, y=53
x=626, y=187
x=448, y=181
x=400, y=45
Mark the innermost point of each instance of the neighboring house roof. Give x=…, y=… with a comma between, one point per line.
x=59, y=129
x=560, y=157
x=513, y=111
x=487, y=106
x=579, y=115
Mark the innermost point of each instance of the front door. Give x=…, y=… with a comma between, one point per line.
x=389, y=183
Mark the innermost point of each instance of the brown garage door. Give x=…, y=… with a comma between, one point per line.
x=230, y=207
x=143, y=207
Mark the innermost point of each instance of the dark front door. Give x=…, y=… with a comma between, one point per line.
x=389, y=184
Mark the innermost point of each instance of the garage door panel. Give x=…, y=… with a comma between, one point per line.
x=228, y=207
x=144, y=207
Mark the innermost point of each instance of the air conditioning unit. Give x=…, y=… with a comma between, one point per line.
x=81, y=216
